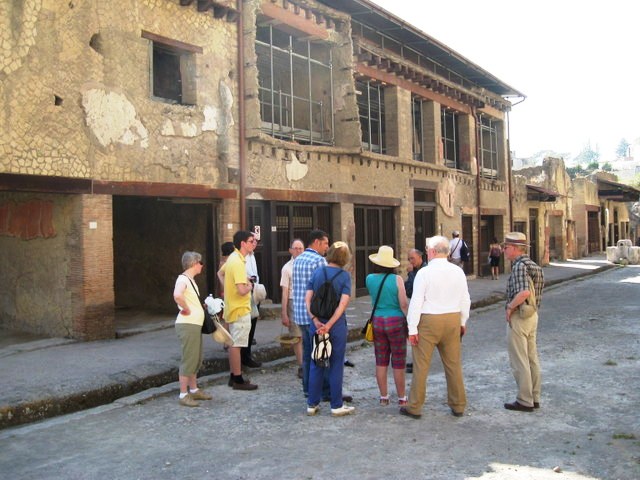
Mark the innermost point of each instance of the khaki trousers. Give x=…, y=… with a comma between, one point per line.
x=523, y=356
x=441, y=331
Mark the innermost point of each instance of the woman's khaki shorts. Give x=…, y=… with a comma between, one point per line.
x=191, y=342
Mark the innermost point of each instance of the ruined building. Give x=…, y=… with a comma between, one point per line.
x=133, y=130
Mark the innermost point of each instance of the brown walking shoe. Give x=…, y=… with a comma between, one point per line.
x=188, y=401
x=200, y=395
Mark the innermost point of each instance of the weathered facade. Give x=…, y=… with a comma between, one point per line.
x=126, y=141
x=362, y=125
x=543, y=209
x=119, y=123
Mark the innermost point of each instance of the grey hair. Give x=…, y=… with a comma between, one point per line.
x=438, y=243
x=189, y=259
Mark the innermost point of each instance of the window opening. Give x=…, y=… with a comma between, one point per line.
x=173, y=69
x=450, y=139
x=370, y=99
x=416, y=113
x=295, y=87
x=488, y=147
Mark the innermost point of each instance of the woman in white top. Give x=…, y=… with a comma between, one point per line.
x=189, y=329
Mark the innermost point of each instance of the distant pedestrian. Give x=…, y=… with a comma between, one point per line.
x=237, y=308
x=495, y=251
x=389, y=322
x=522, y=330
x=338, y=257
x=459, y=250
x=286, y=283
x=188, y=329
x=438, y=314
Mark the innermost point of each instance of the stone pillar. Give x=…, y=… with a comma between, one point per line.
x=344, y=229
x=432, y=131
x=91, y=270
x=467, y=142
x=229, y=219
x=398, y=124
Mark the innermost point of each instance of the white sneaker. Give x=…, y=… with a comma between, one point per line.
x=311, y=411
x=342, y=411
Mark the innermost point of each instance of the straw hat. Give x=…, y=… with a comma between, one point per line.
x=222, y=336
x=287, y=339
x=516, y=238
x=384, y=257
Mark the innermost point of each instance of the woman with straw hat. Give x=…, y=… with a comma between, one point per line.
x=389, y=322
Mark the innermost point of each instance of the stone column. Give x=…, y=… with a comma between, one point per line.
x=432, y=131
x=467, y=142
x=398, y=124
x=91, y=270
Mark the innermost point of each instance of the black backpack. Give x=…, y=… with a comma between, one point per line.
x=325, y=300
x=464, y=252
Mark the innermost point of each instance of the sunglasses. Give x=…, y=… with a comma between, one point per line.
x=201, y=262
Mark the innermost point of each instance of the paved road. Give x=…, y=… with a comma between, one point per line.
x=588, y=425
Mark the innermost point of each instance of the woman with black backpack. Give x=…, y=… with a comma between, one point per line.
x=329, y=355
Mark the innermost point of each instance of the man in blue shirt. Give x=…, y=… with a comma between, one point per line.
x=303, y=267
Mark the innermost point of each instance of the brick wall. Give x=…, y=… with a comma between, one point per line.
x=91, y=275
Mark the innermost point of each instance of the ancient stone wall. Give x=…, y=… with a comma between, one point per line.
x=39, y=239
x=76, y=92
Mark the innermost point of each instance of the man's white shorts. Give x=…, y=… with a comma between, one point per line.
x=240, y=329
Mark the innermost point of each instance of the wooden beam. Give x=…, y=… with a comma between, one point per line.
x=412, y=87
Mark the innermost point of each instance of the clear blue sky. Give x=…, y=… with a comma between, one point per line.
x=577, y=62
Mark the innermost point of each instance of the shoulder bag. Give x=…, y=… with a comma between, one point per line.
x=208, y=326
x=529, y=306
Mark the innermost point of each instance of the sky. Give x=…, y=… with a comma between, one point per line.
x=577, y=62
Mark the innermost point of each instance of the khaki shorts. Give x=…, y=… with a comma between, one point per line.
x=294, y=329
x=191, y=342
x=240, y=329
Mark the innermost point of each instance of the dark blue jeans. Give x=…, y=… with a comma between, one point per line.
x=319, y=377
x=306, y=363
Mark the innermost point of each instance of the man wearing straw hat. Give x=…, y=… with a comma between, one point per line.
x=521, y=330
x=437, y=317
x=286, y=282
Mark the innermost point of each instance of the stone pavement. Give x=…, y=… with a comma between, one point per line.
x=43, y=378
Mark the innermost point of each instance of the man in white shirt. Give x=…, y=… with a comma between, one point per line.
x=455, y=245
x=286, y=282
x=437, y=317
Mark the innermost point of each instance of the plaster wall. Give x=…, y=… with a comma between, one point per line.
x=76, y=93
x=37, y=270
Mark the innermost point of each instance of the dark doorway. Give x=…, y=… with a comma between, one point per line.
x=280, y=223
x=425, y=226
x=467, y=235
x=424, y=217
x=375, y=226
x=533, y=234
x=593, y=232
x=149, y=237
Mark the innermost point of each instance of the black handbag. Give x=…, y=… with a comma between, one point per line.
x=208, y=326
